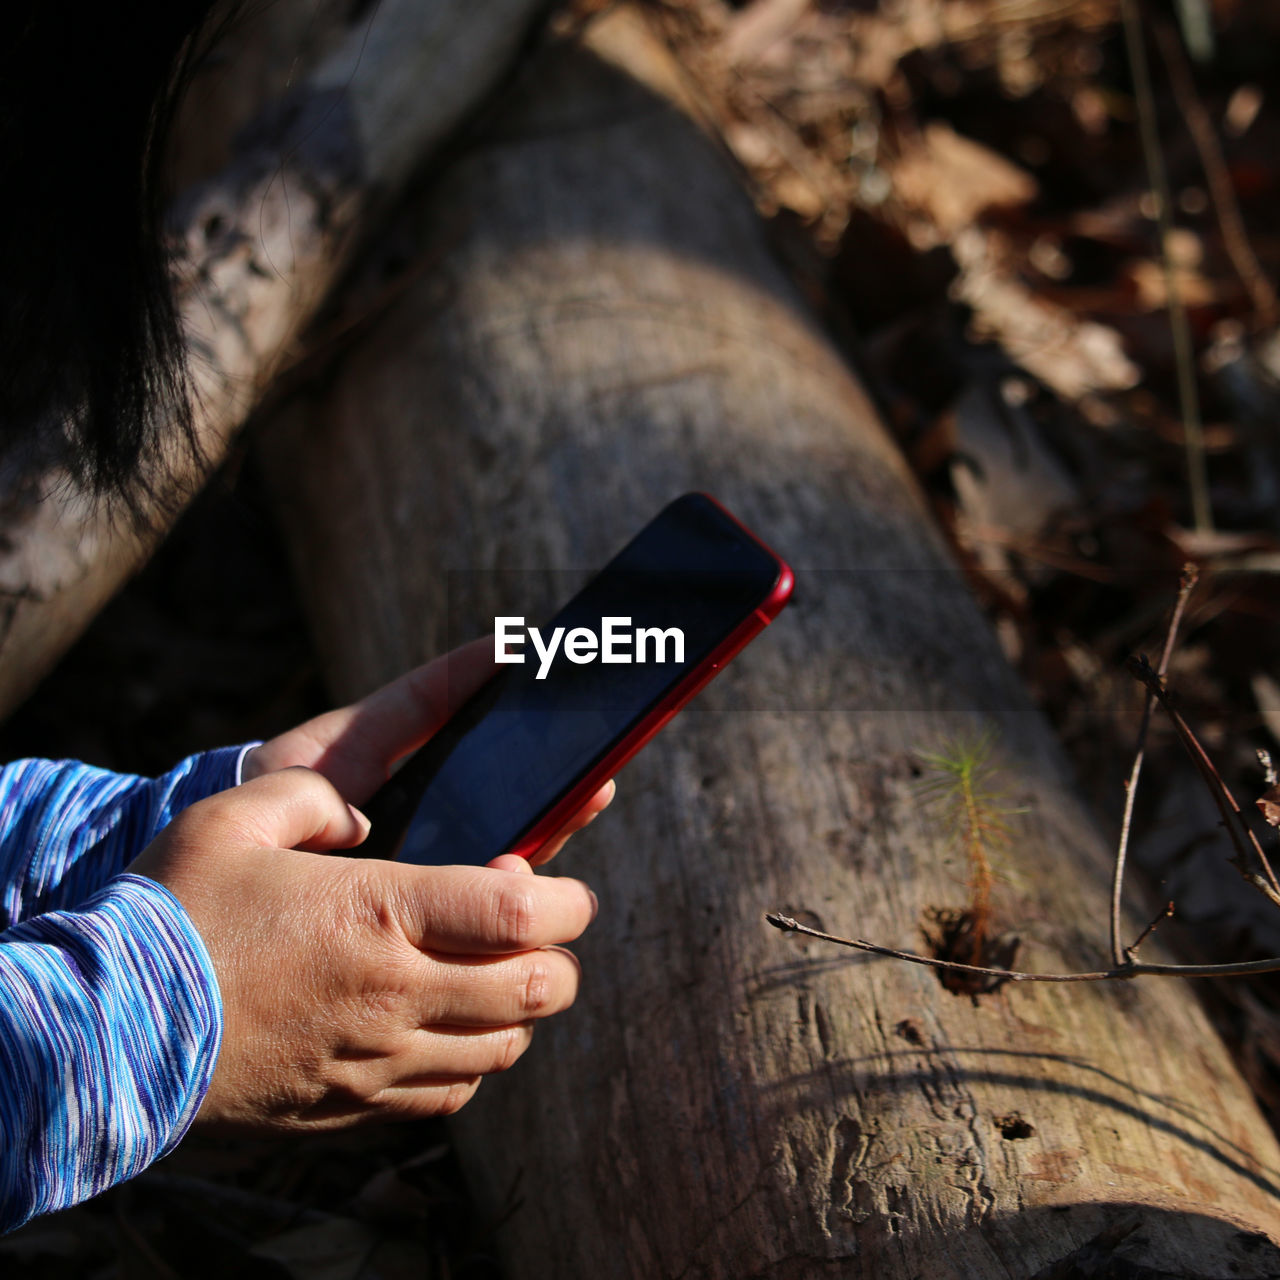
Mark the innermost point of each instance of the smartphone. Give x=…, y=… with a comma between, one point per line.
x=525, y=753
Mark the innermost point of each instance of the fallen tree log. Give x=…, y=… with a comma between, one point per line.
x=257, y=246
x=605, y=331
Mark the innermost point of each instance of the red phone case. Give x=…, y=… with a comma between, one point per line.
x=695, y=680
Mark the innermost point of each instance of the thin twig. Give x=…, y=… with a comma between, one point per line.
x=1188, y=399
x=1235, y=240
x=1165, y=913
x=1242, y=837
x=1189, y=576
x=1130, y=969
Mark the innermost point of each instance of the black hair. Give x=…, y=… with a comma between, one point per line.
x=92, y=376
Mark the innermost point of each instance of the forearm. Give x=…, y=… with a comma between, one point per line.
x=110, y=1023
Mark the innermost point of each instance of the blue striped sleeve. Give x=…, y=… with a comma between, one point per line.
x=109, y=1030
x=110, y=1017
x=66, y=828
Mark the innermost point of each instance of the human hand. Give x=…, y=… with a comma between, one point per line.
x=358, y=989
x=354, y=747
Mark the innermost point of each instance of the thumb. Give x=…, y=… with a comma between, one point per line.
x=296, y=808
x=511, y=862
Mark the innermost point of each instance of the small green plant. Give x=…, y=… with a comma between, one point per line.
x=962, y=783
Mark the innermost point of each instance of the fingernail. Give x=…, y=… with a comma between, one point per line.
x=595, y=904
x=361, y=821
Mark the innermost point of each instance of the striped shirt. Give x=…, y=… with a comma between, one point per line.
x=110, y=1018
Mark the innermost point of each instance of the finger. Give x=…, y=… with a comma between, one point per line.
x=414, y=1100
x=430, y=1056
x=588, y=813
x=424, y=1101
x=462, y=1051
x=467, y=991
x=294, y=808
x=356, y=746
x=488, y=911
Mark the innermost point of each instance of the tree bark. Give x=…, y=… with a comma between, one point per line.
x=257, y=247
x=606, y=330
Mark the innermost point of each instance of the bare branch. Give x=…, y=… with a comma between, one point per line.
x=1241, y=835
x=1165, y=913
x=1189, y=576
x=1130, y=969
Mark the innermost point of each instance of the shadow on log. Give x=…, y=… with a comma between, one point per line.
x=606, y=329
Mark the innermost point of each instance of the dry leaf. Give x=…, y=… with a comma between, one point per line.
x=955, y=179
x=1269, y=803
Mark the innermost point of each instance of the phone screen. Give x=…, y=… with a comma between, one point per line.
x=516, y=748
